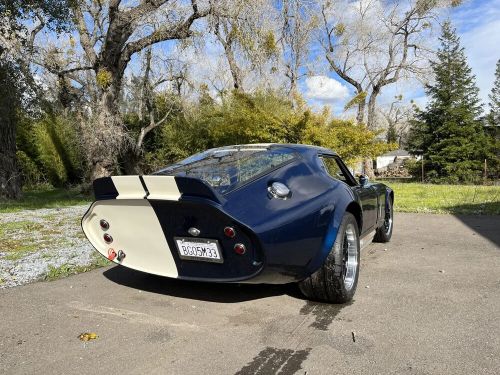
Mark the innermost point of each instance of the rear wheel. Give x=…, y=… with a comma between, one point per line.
x=337, y=279
x=384, y=233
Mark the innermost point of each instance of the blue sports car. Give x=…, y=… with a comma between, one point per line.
x=259, y=213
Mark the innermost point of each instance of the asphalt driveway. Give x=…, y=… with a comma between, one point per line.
x=427, y=303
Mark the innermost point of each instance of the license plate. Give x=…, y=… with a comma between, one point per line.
x=199, y=249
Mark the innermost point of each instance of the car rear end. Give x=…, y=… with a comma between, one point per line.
x=170, y=226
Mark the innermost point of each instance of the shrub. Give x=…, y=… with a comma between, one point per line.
x=49, y=151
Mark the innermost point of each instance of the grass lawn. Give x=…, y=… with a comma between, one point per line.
x=447, y=199
x=45, y=198
x=409, y=197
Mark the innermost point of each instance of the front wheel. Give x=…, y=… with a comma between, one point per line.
x=337, y=279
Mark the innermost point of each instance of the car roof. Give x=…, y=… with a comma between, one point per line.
x=297, y=147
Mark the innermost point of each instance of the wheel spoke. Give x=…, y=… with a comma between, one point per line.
x=350, y=256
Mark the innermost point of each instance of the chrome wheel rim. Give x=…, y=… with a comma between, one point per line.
x=350, y=256
x=388, y=221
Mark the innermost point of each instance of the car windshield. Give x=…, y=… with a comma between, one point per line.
x=229, y=167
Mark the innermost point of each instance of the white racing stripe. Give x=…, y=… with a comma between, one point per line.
x=136, y=230
x=128, y=187
x=162, y=187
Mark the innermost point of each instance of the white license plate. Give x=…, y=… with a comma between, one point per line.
x=199, y=249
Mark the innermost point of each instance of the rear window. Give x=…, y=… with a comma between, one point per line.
x=226, y=168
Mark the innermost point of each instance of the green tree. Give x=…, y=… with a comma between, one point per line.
x=494, y=115
x=16, y=82
x=448, y=131
x=392, y=135
x=10, y=177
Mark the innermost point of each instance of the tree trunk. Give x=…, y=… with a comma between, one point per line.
x=233, y=67
x=106, y=138
x=131, y=160
x=361, y=111
x=371, y=108
x=370, y=123
x=10, y=175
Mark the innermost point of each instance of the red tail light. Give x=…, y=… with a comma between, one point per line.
x=111, y=254
x=229, y=232
x=107, y=238
x=240, y=249
x=104, y=224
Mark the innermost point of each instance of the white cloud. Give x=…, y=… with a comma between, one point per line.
x=325, y=89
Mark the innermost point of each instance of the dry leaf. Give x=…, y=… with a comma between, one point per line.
x=87, y=336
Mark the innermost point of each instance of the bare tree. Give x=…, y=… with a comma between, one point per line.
x=244, y=29
x=371, y=44
x=396, y=118
x=151, y=88
x=297, y=22
x=109, y=38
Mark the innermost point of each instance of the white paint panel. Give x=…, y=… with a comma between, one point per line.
x=162, y=187
x=128, y=187
x=135, y=229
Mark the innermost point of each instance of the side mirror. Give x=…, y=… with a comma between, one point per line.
x=363, y=180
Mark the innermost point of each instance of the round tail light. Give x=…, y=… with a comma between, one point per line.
x=107, y=238
x=240, y=249
x=111, y=254
x=229, y=232
x=104, y=224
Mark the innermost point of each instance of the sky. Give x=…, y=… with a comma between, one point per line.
x=478, y=26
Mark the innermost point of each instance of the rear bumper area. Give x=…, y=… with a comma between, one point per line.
x=145, y=231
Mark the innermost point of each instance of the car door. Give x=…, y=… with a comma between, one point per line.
x=367, y=194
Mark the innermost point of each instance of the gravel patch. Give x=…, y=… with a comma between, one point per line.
x=32, y=241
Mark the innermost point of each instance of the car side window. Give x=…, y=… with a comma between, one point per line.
x=334, y=169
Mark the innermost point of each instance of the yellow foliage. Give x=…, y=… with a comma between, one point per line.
x=352, y=141
x=359, y=98
x=339, y=29
x=103, y=78
x=269, y=43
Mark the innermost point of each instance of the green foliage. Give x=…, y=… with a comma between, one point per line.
x=50, y=151
x=494, y=115
x=262, y=117
x=448, y=131
x=55, y=12
x=349, y=139
x=392, y=135
x=32, y=175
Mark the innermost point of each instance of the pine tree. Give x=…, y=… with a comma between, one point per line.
x=448, y=131
x=392, y=135
x=494, y=115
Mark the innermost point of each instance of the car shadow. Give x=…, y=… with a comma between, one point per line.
x=202, y=291
x=483, y=223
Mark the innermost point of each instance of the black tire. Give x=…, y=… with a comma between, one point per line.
x=336, y=280
x=384, y=233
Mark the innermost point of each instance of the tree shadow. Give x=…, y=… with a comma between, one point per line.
x=483, y=223
x=202, y=291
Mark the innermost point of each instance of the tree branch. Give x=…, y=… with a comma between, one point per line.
x=166, y=32
x=84, y=33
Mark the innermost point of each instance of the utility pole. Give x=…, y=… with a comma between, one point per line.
x=422, y=167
